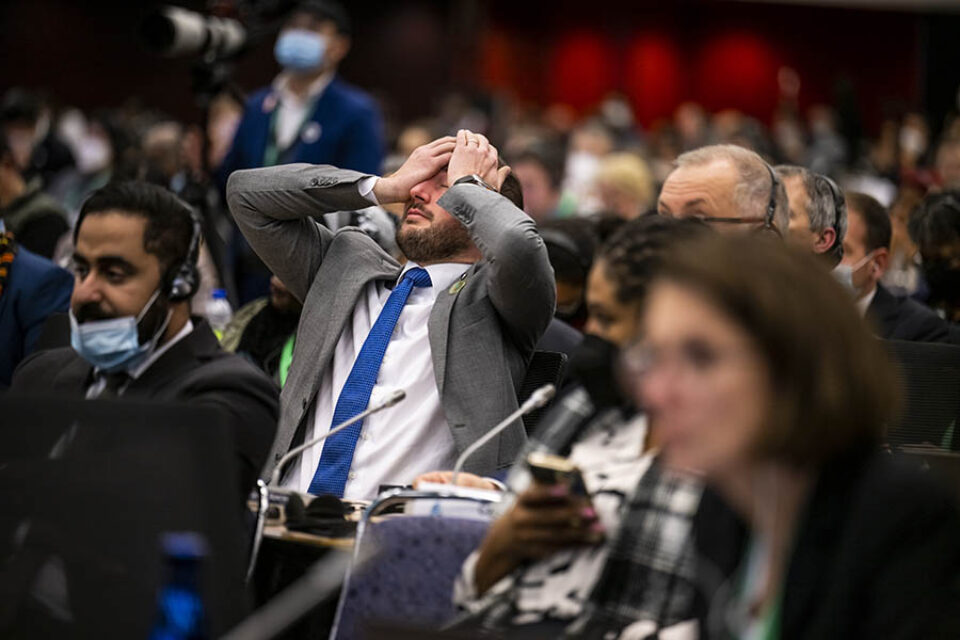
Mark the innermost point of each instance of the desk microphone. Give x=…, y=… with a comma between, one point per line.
x=389, y=401
x=536, y=400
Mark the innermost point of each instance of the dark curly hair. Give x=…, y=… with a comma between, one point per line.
x=634, y=254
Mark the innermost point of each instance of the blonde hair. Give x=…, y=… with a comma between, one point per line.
x=628, y=173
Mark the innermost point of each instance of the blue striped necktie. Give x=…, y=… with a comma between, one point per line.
x=337, y=456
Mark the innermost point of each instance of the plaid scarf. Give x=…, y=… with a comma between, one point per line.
x=8, y=251
x=649, y=574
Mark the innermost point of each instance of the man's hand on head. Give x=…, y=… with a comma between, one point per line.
x=474, y=154
x=425, y=162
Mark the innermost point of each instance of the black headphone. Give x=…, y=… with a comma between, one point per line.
x=184, y=278
x=560, y=240
x=839, y=209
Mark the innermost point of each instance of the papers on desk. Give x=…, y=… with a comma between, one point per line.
x=455, y=502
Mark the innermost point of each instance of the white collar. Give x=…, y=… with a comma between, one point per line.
x=183, y=333
x=864, y=303
x=442, y=275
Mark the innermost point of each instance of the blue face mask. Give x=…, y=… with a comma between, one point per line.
x=114, y=345
x=300, y=50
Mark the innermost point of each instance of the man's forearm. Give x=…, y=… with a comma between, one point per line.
x=294, y=191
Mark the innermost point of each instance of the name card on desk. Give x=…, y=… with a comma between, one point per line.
x=455, y=502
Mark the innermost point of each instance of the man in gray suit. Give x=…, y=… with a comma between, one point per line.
x=455, y=327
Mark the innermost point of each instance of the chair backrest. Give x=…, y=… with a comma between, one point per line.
x=546, y=367
x=931, y=382
x=404, y=570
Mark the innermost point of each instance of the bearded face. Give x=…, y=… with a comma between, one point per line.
x=441, y=238
x=427, y=232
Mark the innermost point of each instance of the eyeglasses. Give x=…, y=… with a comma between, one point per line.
x=694, y=357
x=746, y=220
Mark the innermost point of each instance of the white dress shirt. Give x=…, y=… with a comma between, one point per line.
x=292, y=111
x=403, y=441
x=864, y=303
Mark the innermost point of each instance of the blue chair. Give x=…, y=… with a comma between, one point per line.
x=405, y=565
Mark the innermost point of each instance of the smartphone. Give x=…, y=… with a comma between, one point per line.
x=549, y=469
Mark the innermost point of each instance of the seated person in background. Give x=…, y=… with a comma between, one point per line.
x=36, y=219
x=808, y=529
x=866, y=250
x=624, y=186
x=935, y=228
x=265, y=331
x=730, y=187
x=455, y=327
x=818, y=212
x=556, y=562
x=571, y=244
x=31, y=289
x=135, y=252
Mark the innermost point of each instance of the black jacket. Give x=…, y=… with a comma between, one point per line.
x=905, y=319
x=195, y=369
x=877, y=555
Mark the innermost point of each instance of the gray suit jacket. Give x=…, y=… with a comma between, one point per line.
x=481, y=336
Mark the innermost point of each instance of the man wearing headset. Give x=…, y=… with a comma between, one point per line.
x=134, y=263
x=818, y=212
x=727, y=186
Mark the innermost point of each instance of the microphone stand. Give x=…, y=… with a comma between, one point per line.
x=536, y=400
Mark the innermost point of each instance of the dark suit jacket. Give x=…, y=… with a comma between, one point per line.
x=350, y=133
x=877, y=555
x=195, y=370
x=36, y=288
x=905, y=319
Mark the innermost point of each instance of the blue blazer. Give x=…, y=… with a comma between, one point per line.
x=347, y=133
x=35, y=289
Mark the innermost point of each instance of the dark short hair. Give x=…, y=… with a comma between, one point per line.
x=875, y=219
x=571, y=244
x=20, y=105
x=512, y=191
x=547, y=156
x=327, y=10
x=634, y=254
x=830, y=391
x=170, y=221
x=936, y=221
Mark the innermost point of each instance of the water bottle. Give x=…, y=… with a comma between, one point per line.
x=180, y=610
x=218, y=312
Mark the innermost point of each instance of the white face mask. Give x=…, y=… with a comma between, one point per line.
x=93, y=155
x=844, y=272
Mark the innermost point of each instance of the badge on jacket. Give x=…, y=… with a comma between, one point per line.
x=459, y=284
x=311, y=133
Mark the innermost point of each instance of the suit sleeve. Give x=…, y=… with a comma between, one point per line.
x=274, y=208
x=251, y=403
x=51, y=295
x=521, y=285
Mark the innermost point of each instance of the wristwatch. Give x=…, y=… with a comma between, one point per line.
x=477, y=180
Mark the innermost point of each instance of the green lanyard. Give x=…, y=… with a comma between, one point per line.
x=271, y=154
x=286, y=358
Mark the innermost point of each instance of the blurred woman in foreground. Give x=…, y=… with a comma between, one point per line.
x=757, y=373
